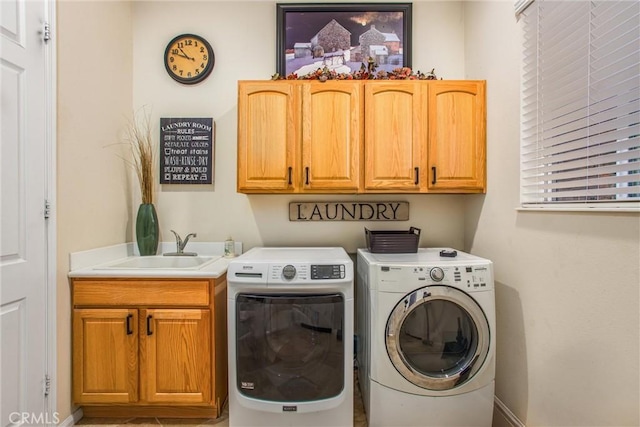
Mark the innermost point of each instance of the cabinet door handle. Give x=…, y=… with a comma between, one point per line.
x=433, y=169
x=306, y=173
x=129, y=330
x=149, y=331
x=417, y=170
x=290, y=172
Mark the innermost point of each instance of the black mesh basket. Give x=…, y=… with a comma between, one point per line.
x=393, y=241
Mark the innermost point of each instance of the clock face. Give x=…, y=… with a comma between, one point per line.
x=188, y=58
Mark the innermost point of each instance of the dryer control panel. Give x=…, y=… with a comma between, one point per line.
x=470, y=277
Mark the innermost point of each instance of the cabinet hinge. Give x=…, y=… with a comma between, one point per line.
x=46, y=32
x=47, y=209
x=47, y=385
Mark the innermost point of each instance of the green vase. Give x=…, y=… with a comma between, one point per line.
x=147, y=229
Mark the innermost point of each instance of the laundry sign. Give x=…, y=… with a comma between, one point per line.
x=349, y=211
x=186, y=146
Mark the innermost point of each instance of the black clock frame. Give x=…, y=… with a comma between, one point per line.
x=200, y=77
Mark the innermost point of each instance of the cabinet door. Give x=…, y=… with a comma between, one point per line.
x=395, y=138
x=331, y=135
x=267, y=136
x=457, y=123
x=175, y=355
x=105, y=355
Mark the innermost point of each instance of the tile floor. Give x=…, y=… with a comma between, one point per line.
x=359, y=417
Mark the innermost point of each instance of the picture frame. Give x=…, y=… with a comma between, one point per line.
x=342, y=36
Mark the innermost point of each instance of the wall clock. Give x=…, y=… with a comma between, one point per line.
x=189, y=58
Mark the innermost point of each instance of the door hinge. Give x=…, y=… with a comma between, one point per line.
x=47, y=385
x=46, y=32
x=47, y=209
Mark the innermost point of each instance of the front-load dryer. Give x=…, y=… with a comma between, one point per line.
x=426, y=327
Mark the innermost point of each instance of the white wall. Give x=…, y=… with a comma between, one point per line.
x=243, y=37
x=93, y=193
x=110, y=64
x=567, y=284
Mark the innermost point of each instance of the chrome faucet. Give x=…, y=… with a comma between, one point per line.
x=180, y=244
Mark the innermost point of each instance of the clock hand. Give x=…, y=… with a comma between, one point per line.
x=185, y=55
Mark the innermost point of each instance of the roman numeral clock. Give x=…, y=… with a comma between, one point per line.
x=189, y=59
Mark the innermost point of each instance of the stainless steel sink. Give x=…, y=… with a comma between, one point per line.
x=160, y=262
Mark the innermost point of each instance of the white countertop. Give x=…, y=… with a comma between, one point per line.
x=88, y=263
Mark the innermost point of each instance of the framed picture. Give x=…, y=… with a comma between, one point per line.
x=342, y=36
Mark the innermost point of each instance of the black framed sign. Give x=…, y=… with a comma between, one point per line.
x=342, y=36
x=186, y=150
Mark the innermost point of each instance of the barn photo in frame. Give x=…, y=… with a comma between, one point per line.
x=342, y=36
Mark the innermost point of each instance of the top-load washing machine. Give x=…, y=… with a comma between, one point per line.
x=426, y=328
x=290, y=329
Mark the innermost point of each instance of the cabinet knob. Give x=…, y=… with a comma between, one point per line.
x=417, y=180
x=433, y=169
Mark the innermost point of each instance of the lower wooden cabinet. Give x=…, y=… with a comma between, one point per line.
x=176, y=361
x=105, y=355
x=151, y=347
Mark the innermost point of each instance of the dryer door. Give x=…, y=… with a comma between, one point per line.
x=437, y=337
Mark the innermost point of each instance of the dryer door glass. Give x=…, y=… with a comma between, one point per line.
x=437, y=337
x=290, y=348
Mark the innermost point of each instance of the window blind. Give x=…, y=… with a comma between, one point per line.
x=580, y=109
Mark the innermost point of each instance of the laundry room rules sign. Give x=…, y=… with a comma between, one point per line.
x=186, y=150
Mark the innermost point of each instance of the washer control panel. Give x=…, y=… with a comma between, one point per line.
x=303, y=272
x=327, y=272
x=289, y=272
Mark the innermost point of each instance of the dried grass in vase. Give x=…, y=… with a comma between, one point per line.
x=143, y=153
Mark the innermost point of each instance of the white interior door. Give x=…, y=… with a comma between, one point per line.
x=23, y=251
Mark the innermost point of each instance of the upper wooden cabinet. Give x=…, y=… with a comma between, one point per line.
x=351, y=136
x=299, y=137
x=395, y=136
x=331, y=136
x=267, y=136
x=457, y=141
